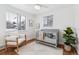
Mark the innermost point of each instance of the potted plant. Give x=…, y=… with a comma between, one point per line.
x=69, y=38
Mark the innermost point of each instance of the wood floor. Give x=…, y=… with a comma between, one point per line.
x=11, y=51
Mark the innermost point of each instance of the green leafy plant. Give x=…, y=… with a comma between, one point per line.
x=68, y=36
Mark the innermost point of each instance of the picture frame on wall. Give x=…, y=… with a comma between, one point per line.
x=48, y=21
x=30, y=23
x=38, y=26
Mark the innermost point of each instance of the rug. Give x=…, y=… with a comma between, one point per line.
x=39, y=49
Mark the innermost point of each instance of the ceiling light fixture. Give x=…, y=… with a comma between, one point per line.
x=37, y=7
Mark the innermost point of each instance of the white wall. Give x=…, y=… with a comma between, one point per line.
x=6, y=8
x=2, y=24
x=62, y=18
x=77, y=18
x=77, y=23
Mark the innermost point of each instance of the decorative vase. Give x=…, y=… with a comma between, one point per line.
x=67, y=47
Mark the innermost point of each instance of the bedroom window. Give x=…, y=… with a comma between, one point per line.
x=15, y=21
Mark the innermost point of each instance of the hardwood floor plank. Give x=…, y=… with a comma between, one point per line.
x=11, y=51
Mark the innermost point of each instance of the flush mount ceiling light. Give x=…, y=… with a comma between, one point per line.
x=37, y=7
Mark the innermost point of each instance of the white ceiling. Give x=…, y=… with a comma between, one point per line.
x=47, y=7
